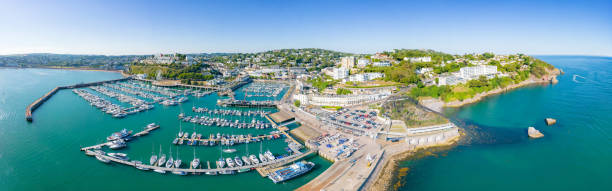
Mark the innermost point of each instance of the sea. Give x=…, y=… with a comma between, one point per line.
x=45, y=154
x=496, y=153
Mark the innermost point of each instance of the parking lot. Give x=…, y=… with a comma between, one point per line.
x=357, y=119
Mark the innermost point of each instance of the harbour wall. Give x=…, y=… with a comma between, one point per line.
x=38, y=102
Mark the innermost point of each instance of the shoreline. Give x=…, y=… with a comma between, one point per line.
x=387, y=181
x=436, y=104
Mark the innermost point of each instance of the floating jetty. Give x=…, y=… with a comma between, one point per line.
x=196, y=171
x=221, y=122
x=38, y=102
x=243, y=103
x=144, y=132
x=222, y=139
x=261, y=113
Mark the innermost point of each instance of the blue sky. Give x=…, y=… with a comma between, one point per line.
x=145, y=27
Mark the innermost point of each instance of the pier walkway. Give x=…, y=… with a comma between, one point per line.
x=277, y=162
x=144, y=132
x=236, y=140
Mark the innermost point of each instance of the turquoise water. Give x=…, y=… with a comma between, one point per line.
x=44, y=155
x=574, y=154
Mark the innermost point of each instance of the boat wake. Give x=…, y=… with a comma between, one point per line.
x=574, y=78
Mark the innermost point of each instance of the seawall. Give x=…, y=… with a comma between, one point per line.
x=38, y=102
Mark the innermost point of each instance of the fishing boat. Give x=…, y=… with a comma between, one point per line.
x=291, y=171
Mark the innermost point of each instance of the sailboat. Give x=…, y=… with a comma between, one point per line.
x=153, y=157
x=170, y=161
x=245, y=158
x=196, y=161
x=177, y=162
x=162, y=158
x=261, y=156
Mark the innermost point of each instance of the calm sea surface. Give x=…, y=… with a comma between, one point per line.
x=574, y=154
x=44, y=155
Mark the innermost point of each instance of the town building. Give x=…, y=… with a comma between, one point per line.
x=339, y=73
x=424, y=70
x=365, y=77
x=381, y=63
x=362, y=63
x=418, y=59
x=476, y=71
x=339, y=100
x=347, y=62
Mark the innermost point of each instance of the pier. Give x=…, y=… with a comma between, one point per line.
x=277, y=162
x=144, y=132
x=38, y=102
x=235, y=140
x=241, y=103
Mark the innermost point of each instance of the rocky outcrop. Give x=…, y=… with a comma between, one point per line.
x=554, y=80
x=550, y=121
x=534, y=133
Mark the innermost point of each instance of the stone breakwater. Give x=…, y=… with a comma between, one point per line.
x=38, y=102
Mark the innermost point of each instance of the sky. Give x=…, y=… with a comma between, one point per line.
x=116, y=27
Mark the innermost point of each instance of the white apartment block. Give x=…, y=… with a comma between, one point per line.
x=365, y=77
x=362, y=62
x=339, y=100
x=340, y=73
x=476, y=71
x=383, y=63
x=418, y=59
x=347, y=62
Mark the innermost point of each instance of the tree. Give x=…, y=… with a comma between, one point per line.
x=342, y=91
x=297, y=103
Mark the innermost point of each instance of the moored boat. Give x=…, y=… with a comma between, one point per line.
x=291, y=171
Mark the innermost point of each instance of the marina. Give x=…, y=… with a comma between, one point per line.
x=184, y=138
x=126, y=97
x=222, y=122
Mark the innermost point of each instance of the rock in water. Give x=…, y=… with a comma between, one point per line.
x=550, y=121
x=534, y=133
